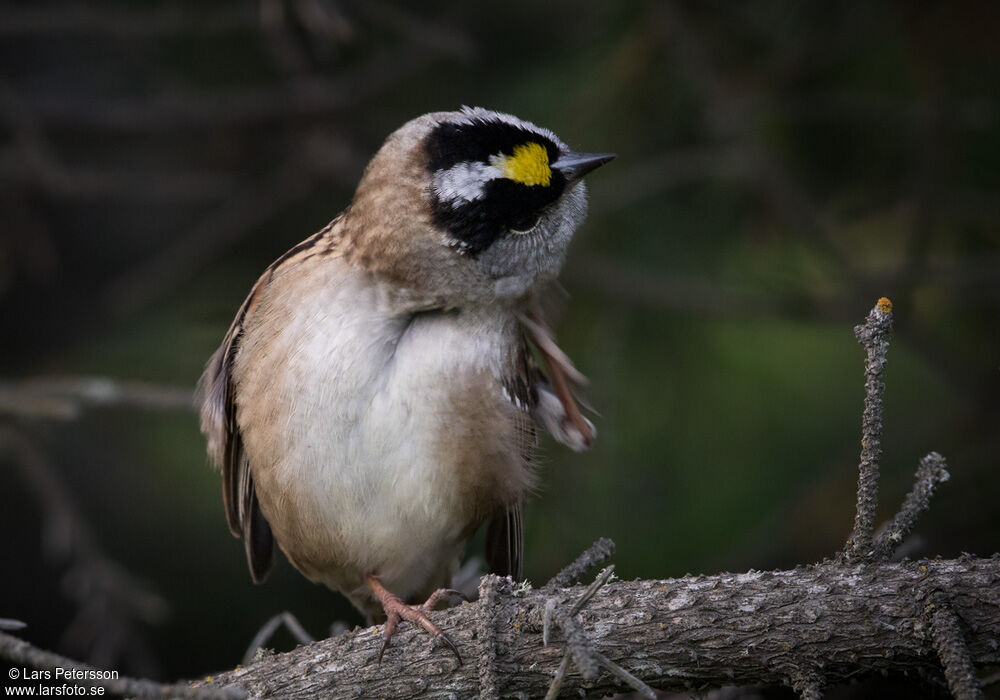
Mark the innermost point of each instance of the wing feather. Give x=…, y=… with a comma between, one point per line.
x=225, y=446
x=505, y=543
x=219, y=424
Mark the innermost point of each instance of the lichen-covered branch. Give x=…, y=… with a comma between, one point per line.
x=952, y=649
x=595, y=555
x=488, y=623
x=873, y=334
x=933, y=471
x=679, y=634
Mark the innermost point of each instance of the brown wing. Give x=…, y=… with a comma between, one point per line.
x=225, y=447
x=217, y=394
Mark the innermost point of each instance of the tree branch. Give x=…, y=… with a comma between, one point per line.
x=680, y=634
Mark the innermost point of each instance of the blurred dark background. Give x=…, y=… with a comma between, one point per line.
x=781, y=166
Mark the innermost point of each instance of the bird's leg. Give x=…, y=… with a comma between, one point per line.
x=396, y=611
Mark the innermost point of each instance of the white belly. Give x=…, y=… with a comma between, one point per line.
x=377, y=443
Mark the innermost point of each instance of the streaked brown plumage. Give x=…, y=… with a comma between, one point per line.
x=374, y=401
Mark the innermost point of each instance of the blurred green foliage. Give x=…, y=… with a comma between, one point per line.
x=781, y=166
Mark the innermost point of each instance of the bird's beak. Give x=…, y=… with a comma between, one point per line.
x=573, y=166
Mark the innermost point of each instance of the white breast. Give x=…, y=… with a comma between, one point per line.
x=377, y=440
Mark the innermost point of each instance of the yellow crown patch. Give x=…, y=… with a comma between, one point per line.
x=529, y=165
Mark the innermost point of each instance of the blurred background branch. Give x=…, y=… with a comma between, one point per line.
x=780, y=165
x=113, y=607
x=64, y=398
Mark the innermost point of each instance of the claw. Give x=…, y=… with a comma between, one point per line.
x=444, y=638
x=440, y=593
x=396, y=611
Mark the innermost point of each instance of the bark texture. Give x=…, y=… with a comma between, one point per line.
x=803, y=628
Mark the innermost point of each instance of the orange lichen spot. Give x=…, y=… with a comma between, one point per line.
x=884, y=305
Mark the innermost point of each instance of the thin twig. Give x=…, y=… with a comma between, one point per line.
x=550, y=607
x=557, y=680
x=596, y=554
x=625, y=676
x=489, y=688
x=933, y=470
x=951, y=648
x=268, y=630
x=579, y=648
x=22, y=653
x=598, y=584
x=873, y=334
x=577, y=643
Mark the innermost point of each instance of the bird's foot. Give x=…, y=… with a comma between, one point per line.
x=396, y=611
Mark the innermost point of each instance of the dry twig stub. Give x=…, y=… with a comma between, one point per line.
x=933, y=471
x=873, y=334
x=595, y=555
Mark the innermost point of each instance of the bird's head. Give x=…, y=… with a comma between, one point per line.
x=479, y=203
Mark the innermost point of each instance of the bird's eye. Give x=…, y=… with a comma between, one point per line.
x=526, y=225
